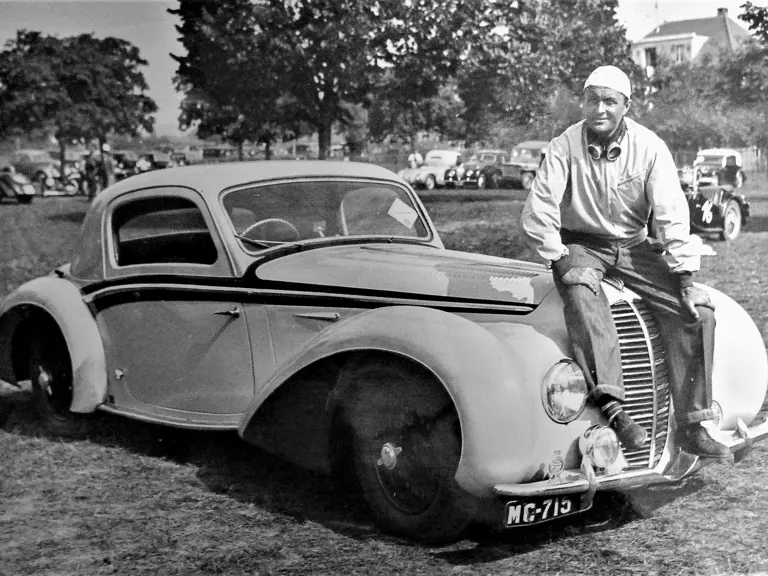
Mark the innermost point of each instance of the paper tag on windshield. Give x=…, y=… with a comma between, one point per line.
x=403, y=213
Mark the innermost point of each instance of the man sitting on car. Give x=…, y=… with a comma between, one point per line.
x=587, y=213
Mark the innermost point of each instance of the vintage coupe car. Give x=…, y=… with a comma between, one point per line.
x=482, y=170
x=718, y=166
x=431, y=174
x=524, y=161
x=313, y=308
x=37, y=165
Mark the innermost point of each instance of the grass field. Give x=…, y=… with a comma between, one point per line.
x=137, y=499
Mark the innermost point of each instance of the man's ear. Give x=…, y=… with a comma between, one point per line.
x=627, y=104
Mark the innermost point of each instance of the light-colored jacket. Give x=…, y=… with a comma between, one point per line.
x=610, y=200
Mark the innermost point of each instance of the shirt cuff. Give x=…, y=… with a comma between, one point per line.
x=685, y=279
x=562, y=265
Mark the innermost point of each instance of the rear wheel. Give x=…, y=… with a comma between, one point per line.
x=50, y=371
x=526, y=180
x=406, y=446
x=731, y=221
x=430, y=183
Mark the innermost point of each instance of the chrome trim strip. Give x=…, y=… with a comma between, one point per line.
x=251, y=292
x=168, y=420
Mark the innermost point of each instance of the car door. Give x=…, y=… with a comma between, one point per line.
x=177, y=342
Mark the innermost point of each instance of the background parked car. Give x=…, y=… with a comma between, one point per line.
x=125, y=163
x=717, y=166
x=15, y=186
x=431, y=174
x=482, y=170
x=153, y=161
x=39, y=166
x=524, y=161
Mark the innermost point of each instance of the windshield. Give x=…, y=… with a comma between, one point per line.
x=709, y=159
x=526, y=153
x=267, y=215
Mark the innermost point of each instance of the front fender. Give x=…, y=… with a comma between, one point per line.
x=63, y=302
x=497, y=412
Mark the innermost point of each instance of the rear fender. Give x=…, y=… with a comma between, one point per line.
x=62, y=301
x=496, y=412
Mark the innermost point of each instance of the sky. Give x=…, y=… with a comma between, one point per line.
x=147, y=24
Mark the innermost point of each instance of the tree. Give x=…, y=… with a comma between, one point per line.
x=83, y=87
x=538, y=51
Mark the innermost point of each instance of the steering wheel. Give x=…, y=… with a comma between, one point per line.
x=280, y=225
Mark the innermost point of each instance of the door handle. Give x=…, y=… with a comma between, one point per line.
x=234, y=312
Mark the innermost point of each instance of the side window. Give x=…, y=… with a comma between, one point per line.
x=161, y=230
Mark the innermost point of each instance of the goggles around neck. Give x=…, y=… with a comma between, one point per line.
x=610, y=150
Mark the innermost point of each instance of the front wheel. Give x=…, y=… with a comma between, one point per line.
x=406, y=446
x=731, y=221
x=50, y=371
x=430, y=183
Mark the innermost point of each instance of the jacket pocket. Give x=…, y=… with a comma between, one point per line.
x=632, y=188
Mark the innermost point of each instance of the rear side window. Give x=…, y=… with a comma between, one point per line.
x=162, y=230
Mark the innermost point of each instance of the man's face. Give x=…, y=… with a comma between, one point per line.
x=603, y=109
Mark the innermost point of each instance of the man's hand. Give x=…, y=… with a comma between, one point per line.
x=588, y=277
x=694, y=296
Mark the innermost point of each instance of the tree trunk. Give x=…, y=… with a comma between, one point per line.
x=324, y=131
x=240, y=150
x=268, y=150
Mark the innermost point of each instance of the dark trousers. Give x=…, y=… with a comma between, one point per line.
x=689, y=343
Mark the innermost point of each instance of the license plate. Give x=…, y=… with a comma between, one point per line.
x=537, y=510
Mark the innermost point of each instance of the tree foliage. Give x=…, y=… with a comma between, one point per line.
x=81, y=86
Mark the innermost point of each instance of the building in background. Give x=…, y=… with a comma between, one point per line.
x=688, y=41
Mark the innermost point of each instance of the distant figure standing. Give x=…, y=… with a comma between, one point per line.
x=415, y=159
x=91, y=175
x=106, y=167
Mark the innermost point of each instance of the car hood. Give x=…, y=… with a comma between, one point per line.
x=412, y=271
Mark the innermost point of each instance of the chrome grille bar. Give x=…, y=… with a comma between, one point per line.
x=646, y=383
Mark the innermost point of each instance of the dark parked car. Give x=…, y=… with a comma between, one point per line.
x=524, y=161
x=125, y=163
x=482, y=170
x=718, y=210
x=15, y=186
x=153, y=161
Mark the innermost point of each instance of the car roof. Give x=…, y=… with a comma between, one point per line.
x=210, y=179
x=532, y=144
x=720, y=151
x=490, y=151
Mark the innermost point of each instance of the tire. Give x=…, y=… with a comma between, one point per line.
x=526, y=180
x=406, y=446
x=731, y=221
x=430, y=183
x=739, y=179
x=481, y=182
x=50, y=370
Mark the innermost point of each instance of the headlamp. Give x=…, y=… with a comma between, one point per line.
x=564, y=392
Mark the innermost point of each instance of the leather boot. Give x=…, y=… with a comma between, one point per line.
x=630, y=433
x=695, y=439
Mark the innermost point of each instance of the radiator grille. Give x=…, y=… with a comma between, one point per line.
x=646, y=381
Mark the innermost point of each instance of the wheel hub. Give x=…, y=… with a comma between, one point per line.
x=44, y=380
x=388, y=456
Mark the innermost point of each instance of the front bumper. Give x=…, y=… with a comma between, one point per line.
x=586, y=480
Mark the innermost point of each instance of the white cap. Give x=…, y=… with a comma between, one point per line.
x=610, y=77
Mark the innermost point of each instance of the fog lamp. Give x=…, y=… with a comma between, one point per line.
x=564, y=392
x=600, y=444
